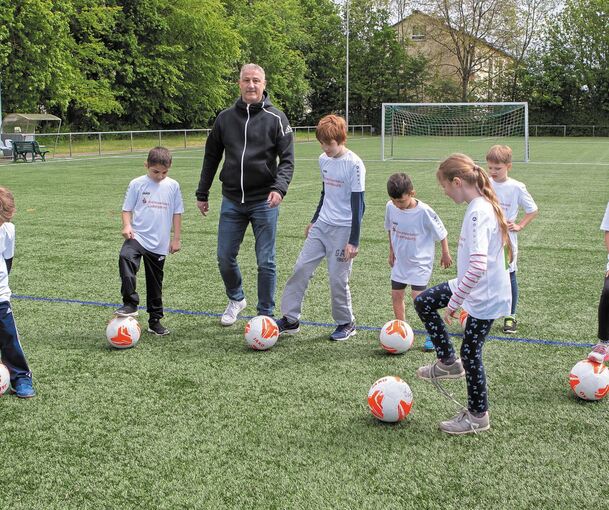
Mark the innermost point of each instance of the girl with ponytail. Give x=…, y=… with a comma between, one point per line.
x=482, y=289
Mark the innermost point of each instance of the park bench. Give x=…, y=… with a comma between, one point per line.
x=22, y=149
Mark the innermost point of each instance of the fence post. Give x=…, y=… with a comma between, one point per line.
x=70, y=143
x=564, y=130
x=131, y=136
x=184, y=138
x=99, y=140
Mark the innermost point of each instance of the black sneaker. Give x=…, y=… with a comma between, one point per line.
x=126, y=311
x=343, y=332
x=510, y=325
x=286, y=327
x=157, y=329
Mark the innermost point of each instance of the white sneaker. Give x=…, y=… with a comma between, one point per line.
x=466, y=423
x=229, y=317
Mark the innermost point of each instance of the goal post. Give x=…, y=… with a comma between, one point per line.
x=432, y=131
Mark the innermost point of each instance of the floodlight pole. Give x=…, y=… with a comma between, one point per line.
x=347, y=71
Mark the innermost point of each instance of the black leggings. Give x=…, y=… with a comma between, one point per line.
x=603, y=313
x=474, y=335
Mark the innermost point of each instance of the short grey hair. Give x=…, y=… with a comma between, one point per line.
x=256, y=67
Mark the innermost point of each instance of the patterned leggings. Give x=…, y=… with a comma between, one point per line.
x=474, y=335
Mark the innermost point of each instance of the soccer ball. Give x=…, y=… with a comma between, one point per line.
x=390, y=399
x=261, y=333
x=396, y=337
x=123, y=332
x=589, y=380
x=463, y=315
x=5, y=379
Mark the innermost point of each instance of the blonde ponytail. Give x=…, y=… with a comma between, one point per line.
x=484, y=184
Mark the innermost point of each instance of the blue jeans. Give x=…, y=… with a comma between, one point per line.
x=234, y=219
x=10, y=347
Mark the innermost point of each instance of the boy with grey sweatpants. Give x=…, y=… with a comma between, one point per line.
x=333, y=232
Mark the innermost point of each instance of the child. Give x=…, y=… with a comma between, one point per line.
x=413, y=229
x=512, y=195
x=482, y=288
x=10, y=347
x=153, y=204
x=333, y=232
x=600, y=353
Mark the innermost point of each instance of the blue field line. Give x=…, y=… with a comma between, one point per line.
x=555, y=343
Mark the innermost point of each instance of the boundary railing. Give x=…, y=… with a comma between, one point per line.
x=568, y=130
x=98, y=143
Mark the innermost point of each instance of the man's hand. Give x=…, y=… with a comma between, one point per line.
x=203, y=207
x=274, y=199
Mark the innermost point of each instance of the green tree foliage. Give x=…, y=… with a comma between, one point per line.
x=568, y=79
x=273, y=36
x=380, y=70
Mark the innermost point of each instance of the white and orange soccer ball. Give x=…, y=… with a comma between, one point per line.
x=390, y=399
x=5, y=379
x=123, y=332
x=396, y=337
x=589, y=380
x=261, y=333
x=463, y=315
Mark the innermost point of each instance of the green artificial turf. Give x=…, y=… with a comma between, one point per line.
x=197, y=420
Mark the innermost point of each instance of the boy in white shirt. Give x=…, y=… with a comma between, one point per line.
x=512, y=195
x=600, y=353
x=413, y=229
x=153, y=205
x=333, y=232
x=10, y=346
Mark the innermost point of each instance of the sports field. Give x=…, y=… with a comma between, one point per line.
x=197, y=420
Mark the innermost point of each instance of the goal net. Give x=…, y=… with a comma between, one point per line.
x=432, y=131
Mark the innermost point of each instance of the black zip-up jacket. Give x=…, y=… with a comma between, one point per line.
x=258, y=147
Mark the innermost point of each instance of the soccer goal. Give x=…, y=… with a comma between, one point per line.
x=432, y=131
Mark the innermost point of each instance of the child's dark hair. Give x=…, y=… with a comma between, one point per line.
x=159, y=156
x=7, y=205
x=399, y=184
x=331, y=127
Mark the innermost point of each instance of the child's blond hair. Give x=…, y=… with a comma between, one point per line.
x=7, y=205
x=501, y=154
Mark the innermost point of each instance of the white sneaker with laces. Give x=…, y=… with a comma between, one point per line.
x=600, y=353
x=229, y=317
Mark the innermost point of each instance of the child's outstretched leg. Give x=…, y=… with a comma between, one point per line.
x=600, y=353
x=12, y=354
x=447, y=366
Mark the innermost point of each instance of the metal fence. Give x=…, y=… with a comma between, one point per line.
x=98, y=143
x=568, y=130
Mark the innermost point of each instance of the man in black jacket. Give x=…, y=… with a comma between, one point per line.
x=258, y=147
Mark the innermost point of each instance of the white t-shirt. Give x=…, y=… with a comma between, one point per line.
x=491, y=298
x=605, y=223
x=7, y=251
x=605, y=227
x=414, y=233
x=341, y=177
x=153, y=205
x=513, y=195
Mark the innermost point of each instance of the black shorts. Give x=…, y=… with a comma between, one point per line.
x=401, y=286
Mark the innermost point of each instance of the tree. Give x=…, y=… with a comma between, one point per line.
x=472, y=31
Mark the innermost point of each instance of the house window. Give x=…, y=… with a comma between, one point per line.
x=418, y=33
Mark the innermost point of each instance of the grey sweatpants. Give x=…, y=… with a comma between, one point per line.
x=323, y=241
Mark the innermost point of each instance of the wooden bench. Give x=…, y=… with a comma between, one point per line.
x=22, y=149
